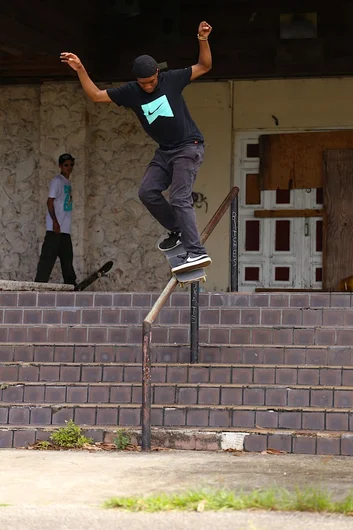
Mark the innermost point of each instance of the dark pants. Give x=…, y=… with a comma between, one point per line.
x=56, y=246
x=176, y=168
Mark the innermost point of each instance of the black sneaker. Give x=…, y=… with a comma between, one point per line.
x=172, y=241
x=191, y=261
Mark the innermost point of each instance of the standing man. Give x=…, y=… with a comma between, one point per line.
x=156, y=98
x=57, y=242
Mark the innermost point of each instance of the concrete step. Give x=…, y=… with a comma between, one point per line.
x=208, y=439
x=179, y=394
x=111, y=372
x=222, y=416
x=287, y=354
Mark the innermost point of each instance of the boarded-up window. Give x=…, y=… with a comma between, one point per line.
x=294, y=161
x=253, y=193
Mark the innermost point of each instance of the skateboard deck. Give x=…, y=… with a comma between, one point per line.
x=195, y=275
x=94, y=276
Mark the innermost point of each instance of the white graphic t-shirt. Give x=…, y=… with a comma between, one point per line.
x=60, y=190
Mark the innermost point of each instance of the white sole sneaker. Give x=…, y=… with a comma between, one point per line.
x=170, y=248
x=193, y=265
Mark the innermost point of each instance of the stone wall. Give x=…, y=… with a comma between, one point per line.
x=118, y=225
x=19, y=186
x=111, y=152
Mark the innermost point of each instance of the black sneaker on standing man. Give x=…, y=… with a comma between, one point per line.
x=157, y=100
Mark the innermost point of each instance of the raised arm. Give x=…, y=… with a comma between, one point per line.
x=204, y=64
x=92, y=91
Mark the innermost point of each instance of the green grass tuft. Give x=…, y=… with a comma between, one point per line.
x=276, y=499
x=70, y=436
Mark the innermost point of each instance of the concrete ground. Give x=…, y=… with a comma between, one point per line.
x=66, y=490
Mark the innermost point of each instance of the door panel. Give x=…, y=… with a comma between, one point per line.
x=283, y=253
x=338, y=217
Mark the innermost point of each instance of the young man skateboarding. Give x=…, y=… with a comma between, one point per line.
x=57, y=242
x=156, y=98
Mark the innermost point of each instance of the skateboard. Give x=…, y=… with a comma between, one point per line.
x=94, y=276
x=184, y=277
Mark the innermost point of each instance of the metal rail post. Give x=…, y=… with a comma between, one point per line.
x=234, y=239
x=194, y=322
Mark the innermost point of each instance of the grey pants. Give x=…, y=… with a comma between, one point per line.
x=176, y=168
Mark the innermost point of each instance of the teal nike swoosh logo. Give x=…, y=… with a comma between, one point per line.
x=153, y=112
x=156, y=108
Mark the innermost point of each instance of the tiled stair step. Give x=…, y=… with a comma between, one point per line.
x=241, y=316
x=211, y=439
x=323, y=419
x=179, y=394
x=177, y=373
x=175, y=334
x=54, y=300
x=175, y=316
x=145, y=300
x=178, y=353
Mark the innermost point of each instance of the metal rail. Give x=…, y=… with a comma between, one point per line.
x=194, y=321
x=234, y=241
x=151, y=317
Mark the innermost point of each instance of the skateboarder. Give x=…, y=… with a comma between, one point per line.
x=57, y=242
x=157, y=100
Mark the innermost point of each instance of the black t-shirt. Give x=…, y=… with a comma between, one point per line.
x=163, y=114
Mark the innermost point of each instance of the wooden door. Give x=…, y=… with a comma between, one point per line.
x=338, y=217
x=282, y=252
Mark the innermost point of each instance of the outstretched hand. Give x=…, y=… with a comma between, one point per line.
x=72, y=60
x=204, y=29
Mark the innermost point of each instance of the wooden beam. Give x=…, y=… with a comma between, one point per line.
x=10, y=50
x=22, y=37
x=35, y=66
x=45, y=17
x=263, y=214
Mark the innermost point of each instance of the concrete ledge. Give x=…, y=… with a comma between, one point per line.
x=10, y=285
x=272, y=440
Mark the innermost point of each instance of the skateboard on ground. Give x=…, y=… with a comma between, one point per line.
x=184, y=277
x=94, y=276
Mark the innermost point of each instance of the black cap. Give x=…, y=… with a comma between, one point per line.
x=144, y=66
x=64, y=157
